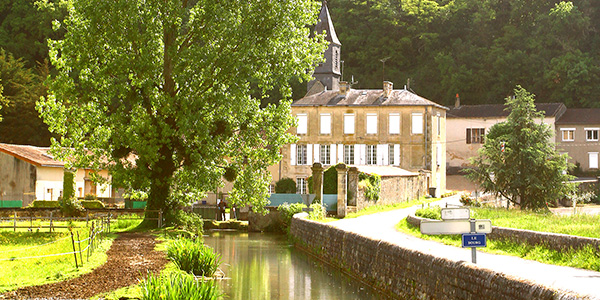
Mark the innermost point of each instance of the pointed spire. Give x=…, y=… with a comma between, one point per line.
x=325, y=24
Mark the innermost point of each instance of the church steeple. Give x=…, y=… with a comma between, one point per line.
x=328, y=72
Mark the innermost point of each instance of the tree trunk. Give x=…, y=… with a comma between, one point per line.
x=158, y=198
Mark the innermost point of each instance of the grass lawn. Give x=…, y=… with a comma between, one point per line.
x=35, y=271
x=582, y=225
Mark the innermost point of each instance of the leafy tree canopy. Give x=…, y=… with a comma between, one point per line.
x=22, y=87
x=169, y=83
x=518, y=159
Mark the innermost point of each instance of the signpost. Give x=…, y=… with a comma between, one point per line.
x=458, y=221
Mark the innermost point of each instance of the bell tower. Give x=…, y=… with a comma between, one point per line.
x=328, y=72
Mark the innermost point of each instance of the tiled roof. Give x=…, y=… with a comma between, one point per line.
x=498, y=110
x=38, y=156
x=365, y=98
x=580, y=116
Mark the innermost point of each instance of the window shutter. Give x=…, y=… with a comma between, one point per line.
x=360, y=153
x=340, y=153
x=309, y=151
x=468, y=135
x=394, y=123
x=396, y=155
x=317, y=152
x=593, y=158
x=332, y=154
x=293, y=154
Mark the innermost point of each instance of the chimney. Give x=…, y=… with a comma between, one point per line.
x=388, y=87
x=344, y=88
x=457, y=102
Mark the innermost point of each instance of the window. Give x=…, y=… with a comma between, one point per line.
x=301, y=155
x=325, y=123
x=349, y=154
x=417, y=123
x=301, y=185
x=325, y=154
x=302, y=124
x=394, y=123
x=593, y=159
x=391, y=155
x=568, y=134
x=348, y=123
x=371, y=123
x=271, y=188
x=371, y=154
x=475, y=135
x=591, y=134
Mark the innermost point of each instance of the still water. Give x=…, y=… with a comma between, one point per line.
x=265, y=266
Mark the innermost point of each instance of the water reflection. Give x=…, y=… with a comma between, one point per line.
x=265, y=266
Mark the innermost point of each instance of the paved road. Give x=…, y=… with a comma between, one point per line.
x=380, y=226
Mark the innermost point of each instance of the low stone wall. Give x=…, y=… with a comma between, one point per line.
x=408, y=274
x=555, y=241
x=396, y=189
x=270, y=222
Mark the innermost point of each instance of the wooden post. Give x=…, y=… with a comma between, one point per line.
x=51, y=222
x=74, y=252
x=160, y=218
x=80, y=258
x=87, y=218
x=15, y=222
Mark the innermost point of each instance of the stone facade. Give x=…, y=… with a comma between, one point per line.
x=408, y=274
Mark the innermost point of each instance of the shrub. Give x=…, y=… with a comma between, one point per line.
x=70, y=207
x=371, y=184
x=430, y=212
x=187, y=221
x=92, y=204
x=178, y=287
x=317, y=213
x=45, y=204
x=287, y=211
x=285, y=186
x=468, y=201
x=90, y=197
x=194, y=257
x=329, y=181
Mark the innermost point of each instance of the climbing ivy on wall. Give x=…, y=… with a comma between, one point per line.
x=371, y=183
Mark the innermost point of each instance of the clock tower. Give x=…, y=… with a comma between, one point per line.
x=328, y=72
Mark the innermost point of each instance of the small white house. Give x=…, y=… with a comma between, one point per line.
x=29, y=173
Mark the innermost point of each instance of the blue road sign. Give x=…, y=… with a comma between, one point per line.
x=471, y=240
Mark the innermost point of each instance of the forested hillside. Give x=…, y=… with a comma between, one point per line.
x=480, y=49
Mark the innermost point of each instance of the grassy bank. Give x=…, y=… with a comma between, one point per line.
x=587, y=258
x=383, y=208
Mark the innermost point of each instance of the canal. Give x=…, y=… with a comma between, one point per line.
x=265, y=266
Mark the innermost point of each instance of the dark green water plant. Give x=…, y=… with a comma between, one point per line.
x=179, y=287
x=194, y=257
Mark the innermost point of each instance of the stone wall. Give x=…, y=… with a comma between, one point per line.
x=408, y=274
x=555, y=241
x=395, y=189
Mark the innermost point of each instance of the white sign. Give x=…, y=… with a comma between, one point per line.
x=457, y=213
x=454, y=226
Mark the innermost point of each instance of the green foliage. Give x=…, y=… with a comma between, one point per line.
x=21, y=88
x=317, y=212
x=329, y=181
x=126, y=222
x=90, y=197
x=136, y=195
x=285, y=186
x=92, y=204
x=45, y=204
x=287, y=211
x=173, y=87
x=468, y=201
x=178, y=287
x=371, y=184
x=194, y=257
x=430, y=212
x=69, y=184
x=529, y=172
x=186, y=221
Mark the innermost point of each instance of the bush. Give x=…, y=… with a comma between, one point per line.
x=287, y=211
x=70, y=207
x=285, y=186
x=317, y=213
x=91, y=204
x=45, y=204
x=430, y=212
x=468, y=201
x=329, y=181
x=90, y=197
x=186, y=221
x=178, y=287
x=371, y=184
x=194, y=257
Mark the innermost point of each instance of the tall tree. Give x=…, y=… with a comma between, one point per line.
x=168, y=82
x=518, y=159
x=22, y=88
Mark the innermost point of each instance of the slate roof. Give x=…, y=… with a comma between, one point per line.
x=498, y=110
x=325, y=24
x=365, y=98
x=580, y=116
x=38, y=156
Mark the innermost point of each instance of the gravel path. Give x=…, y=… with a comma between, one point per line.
x=130, y=257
